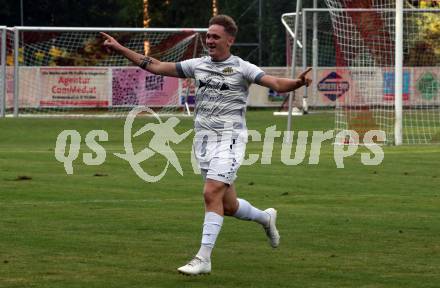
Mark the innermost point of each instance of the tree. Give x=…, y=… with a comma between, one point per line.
x=171, y=13
x=10, y=12
x=79, y=13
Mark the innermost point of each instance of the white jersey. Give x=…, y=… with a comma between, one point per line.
x=222, y=91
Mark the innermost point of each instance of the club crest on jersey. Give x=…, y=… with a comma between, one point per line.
x=228, y=70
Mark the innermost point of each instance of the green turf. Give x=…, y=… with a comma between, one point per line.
x=362, y=226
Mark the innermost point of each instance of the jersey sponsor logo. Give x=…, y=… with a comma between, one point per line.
x=228, y=70
x=210, y=89
x=333, y=86
x=212, y=84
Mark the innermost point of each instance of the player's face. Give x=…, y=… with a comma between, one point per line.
x=219, y=42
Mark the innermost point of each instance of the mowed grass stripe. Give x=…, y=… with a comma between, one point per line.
x=361, y=226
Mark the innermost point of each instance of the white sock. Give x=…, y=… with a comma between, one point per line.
x=248, y=212
x=211, y=228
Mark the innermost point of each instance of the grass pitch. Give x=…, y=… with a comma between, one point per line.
x=361, y=226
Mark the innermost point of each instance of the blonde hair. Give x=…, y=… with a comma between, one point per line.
x=227, y=22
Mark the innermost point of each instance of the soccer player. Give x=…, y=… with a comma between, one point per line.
x=222, y=81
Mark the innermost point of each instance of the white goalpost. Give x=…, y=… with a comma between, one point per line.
x=295, y=43
x=59, y=71
x=376, y=63
x=2, y=70
x=294, y=31
x=398, y=94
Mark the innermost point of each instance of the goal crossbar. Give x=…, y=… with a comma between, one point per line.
x=421, y=10
x=106, y=29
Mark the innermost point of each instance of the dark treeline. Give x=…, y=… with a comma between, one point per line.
x=172, y=13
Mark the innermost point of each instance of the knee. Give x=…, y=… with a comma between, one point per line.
x=209, y=197
x=230, y=208
x=213, y=194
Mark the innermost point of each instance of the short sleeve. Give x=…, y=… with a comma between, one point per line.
x=251, y=72
x=186, y=68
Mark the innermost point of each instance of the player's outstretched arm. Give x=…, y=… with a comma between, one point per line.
x=282, y=85
x=145, y=62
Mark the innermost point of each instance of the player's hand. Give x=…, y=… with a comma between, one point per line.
x=304, y=79
x=110, y=43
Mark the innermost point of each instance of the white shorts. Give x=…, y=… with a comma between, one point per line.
x=219, y=159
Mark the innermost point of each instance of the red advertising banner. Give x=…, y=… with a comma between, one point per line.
x=74, y=87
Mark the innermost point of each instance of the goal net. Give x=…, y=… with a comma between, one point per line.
x=67, y=71
x=364, y=42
